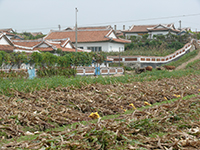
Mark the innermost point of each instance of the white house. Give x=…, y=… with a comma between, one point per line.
x=160, y=29
x=5, y=43
x=93, y=39
x=10, y=34
x=45, y=45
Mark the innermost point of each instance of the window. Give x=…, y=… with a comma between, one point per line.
x=80, y=47
x=95, y=49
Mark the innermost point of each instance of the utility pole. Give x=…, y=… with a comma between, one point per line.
x=119, y=57
x=180, y=24
x=76, y=28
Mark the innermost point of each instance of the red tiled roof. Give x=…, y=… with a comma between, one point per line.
x=27, y=43
x=7, y=30
x=33, y=45
x=44, y=48
x=65, y=49
x=84, y=36
x=94, y=28
x=139, y=28
x=6, y=48
x=121, y=40
x=146, y=28
x=164, y=29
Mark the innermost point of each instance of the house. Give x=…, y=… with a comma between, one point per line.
x=160, y=29
x=92, y=38
x=45, y=46
x=185, y=30
x=10, y=34
x=5, y=43
x=36, y=33
x=30, y=46
x=91, y=28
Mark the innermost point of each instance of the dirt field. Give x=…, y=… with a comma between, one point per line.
x=48, y=109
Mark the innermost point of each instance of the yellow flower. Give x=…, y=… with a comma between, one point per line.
x=123, y=109
x=177, y=95
x=94, y=115
x=199, y=90
x=146, y=103
x=165, y=98
x=132, y=105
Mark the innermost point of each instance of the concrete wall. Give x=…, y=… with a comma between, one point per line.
x=3, y=41
x=85, y=71
x=142, y=61
x=105, y=46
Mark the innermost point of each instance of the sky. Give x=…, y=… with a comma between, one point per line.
x=46, y=15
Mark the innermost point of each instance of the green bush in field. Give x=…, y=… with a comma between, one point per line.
x=194, y=65
x=56, y=71
x=49, y=64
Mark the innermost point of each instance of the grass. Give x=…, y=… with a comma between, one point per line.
x=193, y=65
x=30, y=85
x=184, y=58
x=144, y=51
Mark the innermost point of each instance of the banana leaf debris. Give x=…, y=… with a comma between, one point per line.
x=167, y=126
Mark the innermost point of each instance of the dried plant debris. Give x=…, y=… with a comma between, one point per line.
x=168, y=126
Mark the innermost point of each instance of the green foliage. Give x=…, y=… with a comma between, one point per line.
x=49, y=59
x=99, y=57
x=183, y=59
x=145, y=51
x=194, y=65
x=128, y=68
x=55, y=71
x=198, y=36
x=36, y=58
x=19, y=58
x=29, y=36
x=5, y=58
x=116, y=64
x=159, y=43
x=55, y=81
x=14, y=74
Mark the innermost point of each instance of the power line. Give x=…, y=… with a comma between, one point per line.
x=146, y=19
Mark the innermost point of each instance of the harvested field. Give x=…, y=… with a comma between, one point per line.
x=53, y=108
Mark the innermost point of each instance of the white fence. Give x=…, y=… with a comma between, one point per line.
x=154, y=59
x=84, y=71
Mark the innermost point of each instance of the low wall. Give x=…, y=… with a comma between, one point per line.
x=142, y=61
x=15, y=70
x=85, y=71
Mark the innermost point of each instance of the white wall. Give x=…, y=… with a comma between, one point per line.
x=3, y=41
x=43, y=45
x=152, y=33
x=161, y=32
x=112, y=35
x=114, y=47
x=68, y=45
x=106, y=46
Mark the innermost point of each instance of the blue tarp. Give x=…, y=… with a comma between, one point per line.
x=31, y=73
x=97, y=71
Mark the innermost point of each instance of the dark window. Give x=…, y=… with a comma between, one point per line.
x=95, y=49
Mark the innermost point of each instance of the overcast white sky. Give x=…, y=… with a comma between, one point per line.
x=44, y=15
